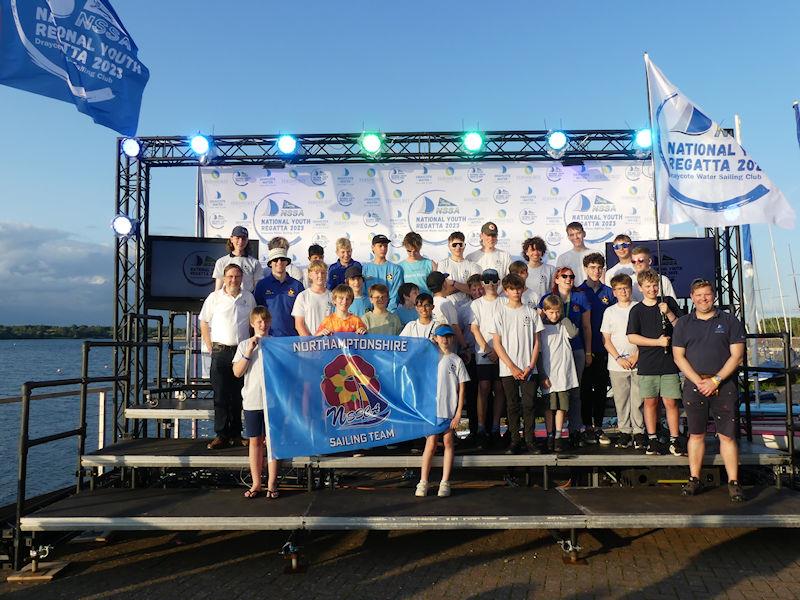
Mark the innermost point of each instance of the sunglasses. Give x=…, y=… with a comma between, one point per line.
x=457, y=245
x=565, y=276
x=621, y=245
x=490, y=280
x=640, y=261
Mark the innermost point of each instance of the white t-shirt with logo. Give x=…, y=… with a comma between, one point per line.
x=558, y=363
x=252, y=271
x=615, y=323
x=483, y=315
x=313, y=307
x=419, y=330
x=529, y=298
x=253, y=388
x=666, y=289
x=540, y=279
x=620, y=268
x=460, y=272
x=444, y=311
x=451, y=373
x=517, y=328
x=465, y=317
x=499, y=260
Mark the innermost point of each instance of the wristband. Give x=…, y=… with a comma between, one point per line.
x=617, y=357
x=245, y=357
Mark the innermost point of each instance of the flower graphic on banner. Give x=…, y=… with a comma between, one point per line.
x=344, y=382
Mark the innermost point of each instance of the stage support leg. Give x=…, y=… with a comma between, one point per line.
x=569, y=547
x=291, y=551
x=545, y=478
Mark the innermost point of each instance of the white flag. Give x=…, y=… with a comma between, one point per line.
x=702, y=174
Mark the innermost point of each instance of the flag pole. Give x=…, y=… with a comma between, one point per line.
x=653, y=139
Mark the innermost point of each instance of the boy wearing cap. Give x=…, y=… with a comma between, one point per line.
x=574, y=258
x=380, y=270
x=459, y=268
x=516, y=342
x=450, y=388
x=355, y=280
x=490, y=256
x=313, y=304
x=238, y=254
x=337, y=272
x=278, y=292
x=445, y=311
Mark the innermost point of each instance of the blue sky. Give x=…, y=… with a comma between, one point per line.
x=251, y=67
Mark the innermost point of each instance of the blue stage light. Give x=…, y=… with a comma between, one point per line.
x=643, y=138
x=124, y=227
x=557, y=140
x=131, y=147
x=199, y=144
x=287, y=144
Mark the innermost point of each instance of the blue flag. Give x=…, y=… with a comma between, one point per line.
x=344, y=392
x=76, y=51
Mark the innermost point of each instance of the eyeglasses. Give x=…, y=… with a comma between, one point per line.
x=425, y=306
x=457, y=245
x=621, y=245
x=640, y=261
x=565, y=276
x=379, y=297
x=490, y=280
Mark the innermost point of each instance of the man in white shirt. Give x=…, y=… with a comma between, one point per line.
x=641, y=260
x=489, y=256
x=623, y=247
x=574, y=258
x=224, y=322
x=459, y=268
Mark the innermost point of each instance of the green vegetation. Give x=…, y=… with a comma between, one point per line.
x=75, y=332
x=774, y=324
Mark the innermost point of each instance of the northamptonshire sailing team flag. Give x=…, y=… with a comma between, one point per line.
x=76, y=51
x=344, y=392
x=702, y=174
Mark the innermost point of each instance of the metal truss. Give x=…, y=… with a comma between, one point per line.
x=730, y=279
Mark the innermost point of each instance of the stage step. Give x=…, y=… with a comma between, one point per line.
x=397, y=508
x=171, y=408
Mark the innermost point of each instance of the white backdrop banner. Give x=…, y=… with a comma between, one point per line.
x=310, y=204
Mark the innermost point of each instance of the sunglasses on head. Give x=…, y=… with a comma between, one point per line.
x=565, y=276
x=621, y=245
x=490, y=279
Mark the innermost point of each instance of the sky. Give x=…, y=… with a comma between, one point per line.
x=261, y=67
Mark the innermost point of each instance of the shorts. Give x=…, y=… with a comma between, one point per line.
x=721, y=406
x=558, y=400
x=488, y=372
x=254, y=424
x=666, y=386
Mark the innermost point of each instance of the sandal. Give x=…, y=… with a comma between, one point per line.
x=272, y=494
x=252, y=494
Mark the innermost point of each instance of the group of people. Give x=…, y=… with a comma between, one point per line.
x=518, y=338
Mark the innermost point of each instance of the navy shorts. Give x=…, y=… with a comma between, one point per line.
x=721, y=406
x=488, y=372
x=254, y=423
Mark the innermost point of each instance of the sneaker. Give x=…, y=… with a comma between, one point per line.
x=217, y=443
x=639, y=441
x=601, y=437
x=444, y=489
x=652, y=447
x=517, y=448
x=577, y=440
x=623, y=441
x=551, y=440
x=735, y=491
x=534, y=448
x=559, y=445
x=692, y=487
x=238, y=441
x=422, y=489
x=588, y=437
x=675, y=448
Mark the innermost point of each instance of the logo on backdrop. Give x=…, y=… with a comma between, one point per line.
x=434, y=216
x=351, y=391
x=276, y=214
x=555, y=173
x=598, y=215
x=475, y=174
x=397, y=176
x=198, y=268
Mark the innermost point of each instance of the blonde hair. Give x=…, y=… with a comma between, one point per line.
x=317, y=265
x=343, y=290
x=343, y=242
x=648, y=276
x=550, y=302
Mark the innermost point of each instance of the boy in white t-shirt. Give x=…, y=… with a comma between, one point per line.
x=529, y=297
x=516, y=342
x=314, y=304
x=622, y=359
x=247, y=363
x=450, y=388
x=424, y=325
x=445, y=311
x=540, y=274
x=573, y=258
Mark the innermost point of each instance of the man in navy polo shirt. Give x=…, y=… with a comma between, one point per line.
x=278, y=291
x=708, y=346
x=594, y=382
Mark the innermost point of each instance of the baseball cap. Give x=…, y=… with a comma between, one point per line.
x=240, y=231
x=489, y=228
x=435, y=280
x=444, y=330
x=380, y=239
x=275, y=254
x=354, y=271
x=490, y=276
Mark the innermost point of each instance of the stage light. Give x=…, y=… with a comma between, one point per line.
x=557, y=140
x=199, y=144
x=124, y=227
x=131, y=147
x=287, y=144
x=473, y=141
x=643, y=138
x=371, y=142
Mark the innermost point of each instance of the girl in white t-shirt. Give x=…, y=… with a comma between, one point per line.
x=252, y=271
x=247, y=363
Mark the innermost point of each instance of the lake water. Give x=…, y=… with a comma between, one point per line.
x=50, y=466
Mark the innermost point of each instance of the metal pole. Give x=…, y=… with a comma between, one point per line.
x=82, y=416
x=780, y=286
x=787, y=363
x=22, y=462
x=655, y=138
x=101, y=420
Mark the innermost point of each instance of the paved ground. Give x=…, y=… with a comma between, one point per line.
x=693, y=563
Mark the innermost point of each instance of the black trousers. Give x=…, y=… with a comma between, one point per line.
x=471, y=396
x=594, y=390
x=523, y=409
x=227, y=393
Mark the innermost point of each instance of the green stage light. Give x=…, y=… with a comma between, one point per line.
x=473, y=141
x=371, y=142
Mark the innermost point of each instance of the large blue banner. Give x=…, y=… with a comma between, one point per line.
x=344, y=392
x=74, y=51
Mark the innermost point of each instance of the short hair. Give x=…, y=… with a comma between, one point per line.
x=513, y=282
x=260, y=311
x=317, y=265
x=648, y=276
x=534, y=242
x=406, y=289
x=475, y=279
x=413, y=239
x=229, y=246
x=456, y=235
x=424, y=297
x=517, y=267
x=230, y=266
x=621, y=279
x=342, y=290
x=700, y=283
x=594, y=258
x=378, y=287
x=315, y=250
x=623, y=237
x=576, y=225
x=344, y=242
x=551, y=301
x=642, y=250
x=278, y=242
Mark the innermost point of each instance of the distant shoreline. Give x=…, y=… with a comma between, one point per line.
x=70, y=332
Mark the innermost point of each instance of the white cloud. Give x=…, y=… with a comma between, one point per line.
x=49, y=276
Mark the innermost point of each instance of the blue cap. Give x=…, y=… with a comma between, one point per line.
x=444, y=330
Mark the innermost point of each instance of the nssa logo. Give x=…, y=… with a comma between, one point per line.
x=351, y=391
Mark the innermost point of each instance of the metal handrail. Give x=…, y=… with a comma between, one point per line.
x=67, y=394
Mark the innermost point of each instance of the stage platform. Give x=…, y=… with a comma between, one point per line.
x=185, y=452
x=494, y=507
x=172, y=408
